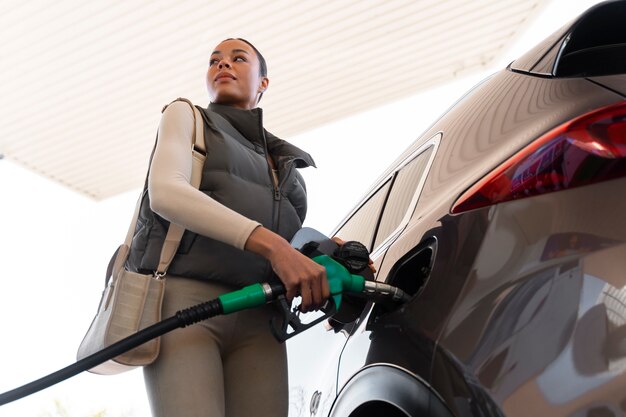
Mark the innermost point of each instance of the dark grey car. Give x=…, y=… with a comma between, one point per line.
x=506, y=221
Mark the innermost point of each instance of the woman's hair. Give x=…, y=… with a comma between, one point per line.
x=262, y=63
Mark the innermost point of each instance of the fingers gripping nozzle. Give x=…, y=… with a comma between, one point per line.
x=339, y=281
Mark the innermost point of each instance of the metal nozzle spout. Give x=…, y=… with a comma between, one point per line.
x=379, y=290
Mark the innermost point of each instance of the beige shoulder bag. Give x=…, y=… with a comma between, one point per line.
x=132, y=301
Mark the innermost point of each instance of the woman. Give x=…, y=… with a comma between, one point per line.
x=250, y=203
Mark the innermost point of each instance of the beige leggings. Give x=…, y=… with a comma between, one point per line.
x=227, y=366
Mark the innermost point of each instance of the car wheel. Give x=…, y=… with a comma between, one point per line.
x=387, y=391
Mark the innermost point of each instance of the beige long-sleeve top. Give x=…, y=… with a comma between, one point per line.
x=171, y=194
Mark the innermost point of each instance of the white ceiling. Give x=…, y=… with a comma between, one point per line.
x=82, y=82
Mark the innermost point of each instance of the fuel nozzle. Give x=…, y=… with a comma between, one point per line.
x=342, y=281
x=355, y=257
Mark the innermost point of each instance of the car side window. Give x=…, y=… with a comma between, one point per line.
x=402, y=193
x=361, y=226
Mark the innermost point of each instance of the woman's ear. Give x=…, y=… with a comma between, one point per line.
x=263, y=85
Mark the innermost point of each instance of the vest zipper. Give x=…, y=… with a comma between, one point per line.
x=274, y=181
x=288, y=167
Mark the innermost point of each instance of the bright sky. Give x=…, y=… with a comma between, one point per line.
x=55, y=245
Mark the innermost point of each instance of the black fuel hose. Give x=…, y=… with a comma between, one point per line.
x=182, y=318
x=253, y=295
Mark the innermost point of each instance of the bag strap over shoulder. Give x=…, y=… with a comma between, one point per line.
x=198, y=129
x=175, y=232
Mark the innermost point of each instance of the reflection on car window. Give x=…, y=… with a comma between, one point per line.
x=362, y=225
x=402, y=192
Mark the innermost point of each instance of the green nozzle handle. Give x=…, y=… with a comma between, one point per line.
x=340, y=280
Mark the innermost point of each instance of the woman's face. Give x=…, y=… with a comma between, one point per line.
x=233, y=76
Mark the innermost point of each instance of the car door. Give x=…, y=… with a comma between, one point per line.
x=376, y=223
x=313, y=376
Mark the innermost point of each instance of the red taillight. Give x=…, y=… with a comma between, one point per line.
x=586, y=150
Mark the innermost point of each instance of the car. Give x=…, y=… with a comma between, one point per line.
x=506, y=223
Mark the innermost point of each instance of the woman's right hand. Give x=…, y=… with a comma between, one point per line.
x=300, y=275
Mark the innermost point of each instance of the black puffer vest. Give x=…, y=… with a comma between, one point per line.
x=236, y=174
